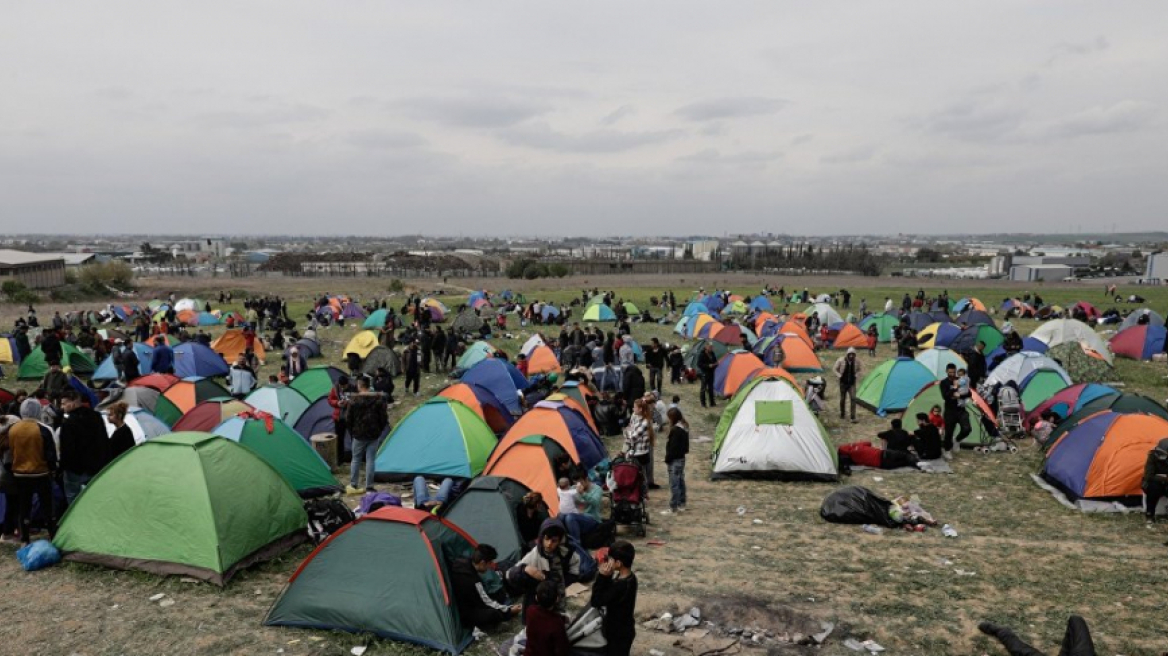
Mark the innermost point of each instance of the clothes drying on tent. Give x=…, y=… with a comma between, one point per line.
x=768, y=431
x=188, y=504
x=354, y=581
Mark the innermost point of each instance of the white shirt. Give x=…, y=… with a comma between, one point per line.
x=568, y=504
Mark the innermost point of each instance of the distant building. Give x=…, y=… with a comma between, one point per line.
x=1157, y=266
x=1004, y=265
x=700, y=250
x=1035, y=272
x=34, y=270
x=74, y=260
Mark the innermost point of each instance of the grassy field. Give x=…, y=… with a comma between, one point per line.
x=1033, y=561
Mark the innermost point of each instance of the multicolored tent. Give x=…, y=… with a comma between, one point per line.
x=282, y=402
x=205, y=416
x=797, y=355
x=564, y=424
x=884, y=323
x=768, y=431
x=440, y=438
x=847, y=335
x=486, y=510
x=891, y=386
x=159, y=382
x=1130, y=320
x=231, y=344
x=386, y=573
x=1090, y=311
x=1139, y=342
x=967, y=304
x=761, y=304
x=187, y=504
x=1102, y=458
x=938, y=334
x=281, y=447
x=179, y=398
x=1118, y=403
x=982, y=423
x=316, y=382
x=1019, y=366
x=502, y=378
x=968, y=338
x=1028, y=344
x=35, y=366
x=974, y=318
x=9, y=353
x=733, y=370
x=1038, y=386
x=1070, y=400
x=530, y=461
x=484, y=404
x=599, y=312
x=542, y=360
x=193, y=359
x=918, y=321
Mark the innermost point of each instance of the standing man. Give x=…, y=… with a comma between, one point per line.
x=84, y=444
x=655, y=360
x=707, y=363
x=976, y=364
x=425, y=343
x=33, y=460
x=848, y=370
x=368, y=418
x=955, y=412
x=162, y=362
x=412, y=367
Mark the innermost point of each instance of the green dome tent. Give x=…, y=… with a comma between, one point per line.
x=599, y=312
x=282, y=448
x=441, y=437
x=36, y=366
x=387, y=573
x=979, y=413
x=884, y=324
x=190, y=504
x=892, y=385
x=316, y=382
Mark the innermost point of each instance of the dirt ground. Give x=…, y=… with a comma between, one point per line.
x=1021, y=558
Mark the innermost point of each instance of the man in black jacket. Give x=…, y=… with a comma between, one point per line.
x=633, y=382
x=655, y=360
x=927, y=439
x=976, y=364
x=955, y=412
x=84, y=444
x=707, y=363
x=476, y=608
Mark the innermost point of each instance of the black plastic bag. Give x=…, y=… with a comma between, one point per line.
x=856, y=505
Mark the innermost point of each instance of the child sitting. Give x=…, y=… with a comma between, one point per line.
x=569, y=503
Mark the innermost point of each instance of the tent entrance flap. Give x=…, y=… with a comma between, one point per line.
x=774, y=413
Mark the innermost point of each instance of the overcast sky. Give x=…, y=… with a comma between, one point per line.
x=572, y=118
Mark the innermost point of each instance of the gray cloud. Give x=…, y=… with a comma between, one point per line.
x=722, y=108
x=974, y=121
x=747, y=157
x=243, y=119
x=617, y=114
x=855, y=155
x=542, y=136
x=384, y=140
x=472, y=112
x=1125, y=116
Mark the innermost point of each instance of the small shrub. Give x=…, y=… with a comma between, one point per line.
x=396, y=285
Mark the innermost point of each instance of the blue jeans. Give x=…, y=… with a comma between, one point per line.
x=422, y=493
x=676, y=483
x=363, y=450
x=73, y=484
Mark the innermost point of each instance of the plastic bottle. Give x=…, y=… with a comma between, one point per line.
x=873, y=529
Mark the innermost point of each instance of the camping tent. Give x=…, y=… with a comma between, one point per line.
x=232, y=343
x=937, y=359
x=938, y=334
x=1060, y=331
x=1133, y=319
x=382, y=357
x=281, y=447
x=108, y=371
x=967, y=304
x=1028, y=344
x=502, y=378
x=968, y=338
x=1070, y=400
x=362, y=343
x=767, y=430
x=136, y=397
x=143, y=425
x=1038, y=386
x=35, y=366
x=387, y=573
x=974, y=318
x=891, y=386
x=798, y=356
x=1102, y=458
x=1139, y=342
x=824, y=312
x=184, y=395
x=733, y=370
x=207, y=415
x=918, y=321
x=982, y=423
x=466, y=322
x=529, y=460
x=599, y=312
x=159, y=382
x=484, y=404
x=194, y=359
x=542, y=360
x=375, y=320
x=486, y=511
x=352, y=310
x=1019, y=366
x=316, y=382
x=309, y=347
x=884, y=324
x=282, y=402
x=9, y=353
x=1081, y=364
x=561, y=422
x=1090, y=311
x=440, y=438
x=475, y=353
x=1118, y=403
x=761, y=303
x=184, y=503
x=847, y=335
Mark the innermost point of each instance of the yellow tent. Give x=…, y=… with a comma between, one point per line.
x=362, y=343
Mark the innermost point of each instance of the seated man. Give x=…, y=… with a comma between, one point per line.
x=476, y=608
x=926, y=439
x=551, y=559
x=423, y=500
x=896, y=438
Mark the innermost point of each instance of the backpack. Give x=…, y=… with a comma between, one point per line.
x=325, y=517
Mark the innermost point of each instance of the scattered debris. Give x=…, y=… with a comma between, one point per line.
x=656, y=543
x=828, y=627
x=878, y=479
x=741, y=511
x=757, y=521
x=575, y=589
x=166, y=603
x=961, y=572
x=358, y=650
x=158, y=596
x=187, y=579
x=656, y=652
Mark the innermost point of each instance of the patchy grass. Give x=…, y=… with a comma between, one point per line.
x=1034, y=561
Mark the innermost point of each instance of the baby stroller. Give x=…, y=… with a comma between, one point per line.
x=629, y=487
x=1010, y=414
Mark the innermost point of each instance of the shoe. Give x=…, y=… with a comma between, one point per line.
x=855, y=421
x=654, y=486
x=667, y=512
x=681, y=508
x=351, y=491
x=948, y=455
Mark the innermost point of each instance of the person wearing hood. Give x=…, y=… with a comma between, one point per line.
x=551, y=559
x=30, y=455
x=56, y=381
x=1155, y=481
x=848, y=370
x=84, y=444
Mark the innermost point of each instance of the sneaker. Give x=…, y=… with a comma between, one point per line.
x=948, y=455
x=350, y=490
x=681, y=508
x=667, y=512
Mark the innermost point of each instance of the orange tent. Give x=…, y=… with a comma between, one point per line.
x=529, y=461
x=850, y=336
x=799, y=356
x=733, y=370
x=189, y=317
x=561, y=422
x=796, y=328
x=577, y=406
x=494, y=413
x=186, y=394
x=762, y=318
x=542, y=360
x=231, y=343
x=152, y=341
x=772, y=372
x=699, y=321
x=160, y=382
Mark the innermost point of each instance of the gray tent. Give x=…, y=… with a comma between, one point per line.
x=466, y=322
x=1134, y=318
x=382, y=356
x=309, y=348
x=140, y=397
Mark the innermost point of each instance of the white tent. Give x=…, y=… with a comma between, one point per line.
x=1020, y=365
x=768, y=431
x=531, y=344
x=142, y=424
x=826, y=313
x=1059, y=331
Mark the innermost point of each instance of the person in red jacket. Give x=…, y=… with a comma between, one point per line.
x=547, y=630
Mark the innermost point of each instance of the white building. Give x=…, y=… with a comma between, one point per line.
x=1035, y=272
x=1157, y=266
